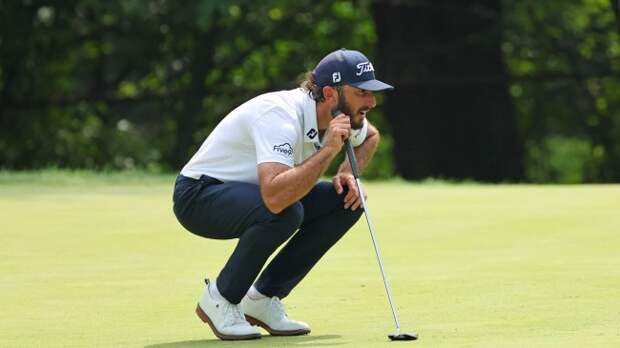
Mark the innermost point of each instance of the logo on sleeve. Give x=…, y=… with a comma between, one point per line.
x=312, y=133
x=284, y=149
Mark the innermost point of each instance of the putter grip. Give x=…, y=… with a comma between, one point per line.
x=352, y=159
x=350, y=152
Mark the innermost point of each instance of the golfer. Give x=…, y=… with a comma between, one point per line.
x=255, y=178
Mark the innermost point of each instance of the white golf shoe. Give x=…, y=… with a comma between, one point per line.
x=269, y=313
x=225, y=319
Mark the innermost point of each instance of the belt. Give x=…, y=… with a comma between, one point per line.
x=204, y=179
x=209, y=180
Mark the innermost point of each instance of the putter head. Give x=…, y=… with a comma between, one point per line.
x=403, y=337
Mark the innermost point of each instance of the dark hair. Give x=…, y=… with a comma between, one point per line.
x=314, y=90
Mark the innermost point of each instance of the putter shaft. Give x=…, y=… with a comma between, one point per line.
x=375, y=244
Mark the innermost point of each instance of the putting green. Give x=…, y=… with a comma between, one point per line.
x=94, y=260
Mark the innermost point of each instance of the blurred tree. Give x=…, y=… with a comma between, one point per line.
x=564, y=60
x=451, y=111
x=141, y=83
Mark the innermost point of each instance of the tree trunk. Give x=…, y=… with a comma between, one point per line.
x=451, y=114
x=615, y=7
x=191, y=106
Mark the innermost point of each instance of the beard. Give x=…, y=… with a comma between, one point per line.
x=357, y=117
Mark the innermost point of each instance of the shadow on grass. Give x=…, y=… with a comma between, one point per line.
x=265, y=341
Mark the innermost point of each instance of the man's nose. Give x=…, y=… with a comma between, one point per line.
x=371, y=101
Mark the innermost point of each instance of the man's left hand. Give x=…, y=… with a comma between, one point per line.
x=351, y=199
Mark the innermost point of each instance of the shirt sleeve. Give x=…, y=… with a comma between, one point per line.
x=275, y=137
x=359, y=135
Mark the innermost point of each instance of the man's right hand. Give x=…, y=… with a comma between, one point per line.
x=338, y=131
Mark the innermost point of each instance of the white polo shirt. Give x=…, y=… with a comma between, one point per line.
x=273, y=127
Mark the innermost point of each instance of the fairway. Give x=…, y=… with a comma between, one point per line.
x=93, y=260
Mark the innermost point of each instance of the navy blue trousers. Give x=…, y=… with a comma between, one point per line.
x=211, y=209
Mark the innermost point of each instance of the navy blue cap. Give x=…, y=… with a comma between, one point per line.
x=348, y=67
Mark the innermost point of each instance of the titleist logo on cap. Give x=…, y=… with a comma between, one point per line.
x=364, y=67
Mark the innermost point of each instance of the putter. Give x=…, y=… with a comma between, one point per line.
x=397, y=336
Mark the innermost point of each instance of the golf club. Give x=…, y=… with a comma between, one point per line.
x=397, y=336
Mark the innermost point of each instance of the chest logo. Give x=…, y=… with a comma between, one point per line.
x=312, y=133
x=284, y=149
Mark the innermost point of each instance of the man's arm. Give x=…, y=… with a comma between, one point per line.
x=281, y=185
x=344, y=177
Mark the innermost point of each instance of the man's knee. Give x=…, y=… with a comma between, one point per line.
x=286, y=222
x=351, y=216
x=357, y=212
x=291, y=217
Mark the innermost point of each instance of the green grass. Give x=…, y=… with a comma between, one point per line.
x=91, y=260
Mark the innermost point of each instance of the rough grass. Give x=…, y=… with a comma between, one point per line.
x=92, y=260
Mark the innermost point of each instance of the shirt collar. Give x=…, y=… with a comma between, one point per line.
x=311, y=130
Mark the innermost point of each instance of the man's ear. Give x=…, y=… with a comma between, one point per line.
x=330, y=93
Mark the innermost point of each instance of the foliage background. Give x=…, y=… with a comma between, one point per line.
x=119, y=84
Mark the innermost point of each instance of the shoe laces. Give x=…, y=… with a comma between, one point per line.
x=280, y=310
x=233, y=314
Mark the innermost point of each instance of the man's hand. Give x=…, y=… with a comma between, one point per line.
x=351, y=199
x=338, y=131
